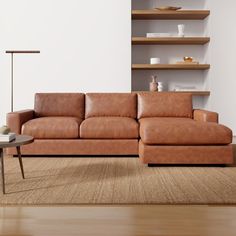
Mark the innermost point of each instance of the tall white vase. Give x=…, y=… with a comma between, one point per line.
x=181, y=29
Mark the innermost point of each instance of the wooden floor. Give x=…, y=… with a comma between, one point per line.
x=119, y=220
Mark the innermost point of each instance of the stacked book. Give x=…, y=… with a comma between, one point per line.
x=158, y=35
x=6, y=138
x=185, y=88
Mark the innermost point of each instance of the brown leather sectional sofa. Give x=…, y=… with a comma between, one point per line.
x=159, y=127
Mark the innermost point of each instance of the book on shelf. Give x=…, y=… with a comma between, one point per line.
x=185, y=88
x=158, y=35
x=187, y=63
x=6, y=138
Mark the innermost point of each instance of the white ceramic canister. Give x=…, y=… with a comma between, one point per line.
x=155, y=60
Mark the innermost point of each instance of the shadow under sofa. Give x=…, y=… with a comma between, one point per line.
x=162, y=128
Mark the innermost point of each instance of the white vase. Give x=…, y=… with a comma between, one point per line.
x=153, y=86
x=181, y=29
x=160, y=87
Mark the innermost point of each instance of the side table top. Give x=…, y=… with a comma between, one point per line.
x=20, y=140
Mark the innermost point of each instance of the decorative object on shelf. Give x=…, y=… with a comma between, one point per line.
x=181, y=29
x=12, y=52
x=168, y=8
x=188, y=60
x=157, y=35
x=155, y=60
x=160, y=87
x=153, y=86
x=4, y=130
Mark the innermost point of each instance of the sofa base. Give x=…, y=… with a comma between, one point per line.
x=187, y=165
x=153, y=154
x=79, y=147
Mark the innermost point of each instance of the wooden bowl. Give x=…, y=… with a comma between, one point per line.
x=188, y=59
x=168, y=8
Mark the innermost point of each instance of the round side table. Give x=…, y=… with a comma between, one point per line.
x=17, y=143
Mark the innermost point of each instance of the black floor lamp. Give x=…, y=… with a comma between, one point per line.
x=12, y=52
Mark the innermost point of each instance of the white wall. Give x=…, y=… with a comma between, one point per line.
x=85, y=46
x=222, y=76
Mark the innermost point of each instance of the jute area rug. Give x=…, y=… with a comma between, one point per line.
x=114, y=181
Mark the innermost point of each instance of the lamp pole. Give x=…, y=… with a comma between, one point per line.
x=12, y=81
x=12, y=52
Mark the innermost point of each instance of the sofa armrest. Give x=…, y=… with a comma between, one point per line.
x=16, y=119
x=205, y=116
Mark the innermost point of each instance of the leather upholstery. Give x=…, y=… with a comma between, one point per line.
x=59, y=104
x=150, y=154
x=102, y=147
x=111, y=104
x=205, y=116
x=109, y=128
x=183, y=131
x=52, y=127
x=16, y=119
x=164, y=104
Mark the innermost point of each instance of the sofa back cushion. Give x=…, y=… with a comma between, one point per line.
x=59, y=104
x=164, y=104
x=111, y=104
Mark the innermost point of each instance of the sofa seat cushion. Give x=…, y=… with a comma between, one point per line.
x=183, y=131
x=109, y=128
x=52, y=128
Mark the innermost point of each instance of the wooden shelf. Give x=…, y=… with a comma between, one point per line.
x=170, y=40
x=170, y=67
x=194, y=93
x=170, y=15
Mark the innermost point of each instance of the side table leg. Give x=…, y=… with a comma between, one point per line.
x=2, y=170
x=20, y=161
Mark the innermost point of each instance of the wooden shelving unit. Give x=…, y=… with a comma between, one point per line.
x=170, y=15
x=194, y=93
x=170, y=41
x=170, y=67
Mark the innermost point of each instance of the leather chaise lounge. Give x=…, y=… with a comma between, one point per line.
x=162, y=128
x=173, y=133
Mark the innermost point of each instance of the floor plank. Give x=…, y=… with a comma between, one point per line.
x=119, y=220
